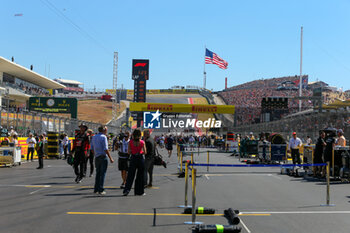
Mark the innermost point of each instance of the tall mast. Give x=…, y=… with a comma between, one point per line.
x=301, y=69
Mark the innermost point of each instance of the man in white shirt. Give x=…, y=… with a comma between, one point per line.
x=308, y=140
x=65, y=143
x=293, y=147
x=31, y=144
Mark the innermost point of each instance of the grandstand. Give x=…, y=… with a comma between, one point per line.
x=247, y=97
x=18, y=83
x=72, y=86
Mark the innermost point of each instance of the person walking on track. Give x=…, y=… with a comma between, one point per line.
x=169, y=144
x=149, y=157
x=136, y=149
x=295, y=144
x=99, y=146
x=80, y=149
x=90, y=155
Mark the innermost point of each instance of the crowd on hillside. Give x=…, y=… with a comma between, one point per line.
x=248, y=101
x=329, y=96
x=247, y=97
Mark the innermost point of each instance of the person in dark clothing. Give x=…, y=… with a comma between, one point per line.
x=40, y=152
x=330, y=144
x=90, y=156
x=123, y=156
x=136, y=149
x=149, y=157
x=169, y=144
x=80, y=149
x=318, y=154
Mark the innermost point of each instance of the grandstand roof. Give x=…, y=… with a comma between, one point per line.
x=66, y=81
x=28, y=75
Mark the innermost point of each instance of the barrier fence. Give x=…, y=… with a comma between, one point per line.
x=32, y=122
x=304, y=125
x=190, y=166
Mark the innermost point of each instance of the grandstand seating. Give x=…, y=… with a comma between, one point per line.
x=247, y=97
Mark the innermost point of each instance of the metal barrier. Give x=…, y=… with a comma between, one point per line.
x=33, y=122
x=304, y=125
x=192, y=164
x=266, y=165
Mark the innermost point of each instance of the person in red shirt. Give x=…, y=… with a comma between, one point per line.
x=137, y=149
x=90, y=156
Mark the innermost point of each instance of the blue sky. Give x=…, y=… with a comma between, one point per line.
x=259, y=39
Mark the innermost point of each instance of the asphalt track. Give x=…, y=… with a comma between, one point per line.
x=48, y=200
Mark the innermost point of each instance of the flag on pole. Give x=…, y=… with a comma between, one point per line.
x=213, y=58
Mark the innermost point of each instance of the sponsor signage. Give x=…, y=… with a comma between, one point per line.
x=182, y=108
x=153, y=120
x=54, y=105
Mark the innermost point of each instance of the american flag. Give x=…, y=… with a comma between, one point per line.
x=213, y=58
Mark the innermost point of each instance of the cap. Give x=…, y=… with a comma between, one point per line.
x=294, y=133
x=340, y=131
x=251, y=133
x=83, y=125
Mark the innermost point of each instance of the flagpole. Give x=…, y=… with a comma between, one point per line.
x=301, y=68
x=204, y=73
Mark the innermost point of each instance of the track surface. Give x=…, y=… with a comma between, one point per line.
x=40, y=200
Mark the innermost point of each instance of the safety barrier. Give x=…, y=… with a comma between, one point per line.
x=273, y=165
x=190, y=169
x=190, y=166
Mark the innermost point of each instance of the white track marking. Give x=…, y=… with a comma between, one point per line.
x=25, y=185
x=206, y=176
x=56, y=166
x=245, y=227
x=274, y=176
x=35, y=191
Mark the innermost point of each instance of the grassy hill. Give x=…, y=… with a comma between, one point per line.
x=97, y=110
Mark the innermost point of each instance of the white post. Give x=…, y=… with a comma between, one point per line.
x=204, y=73
x=301, y=68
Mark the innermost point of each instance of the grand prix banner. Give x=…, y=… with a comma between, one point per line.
x=186, y=108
